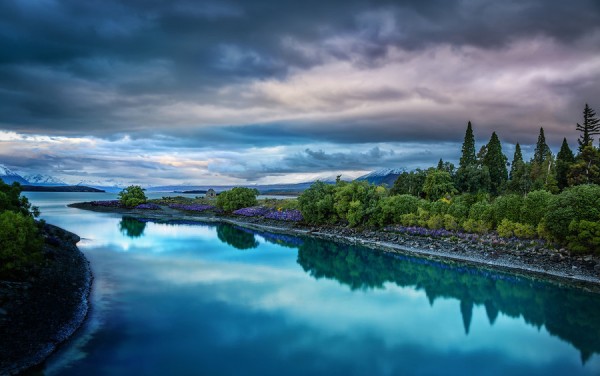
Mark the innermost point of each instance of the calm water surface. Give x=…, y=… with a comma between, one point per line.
x=220, y=300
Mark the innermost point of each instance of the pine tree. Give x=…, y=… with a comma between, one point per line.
x=467, y=157
x=495, y=161
x=541, y=149
x=519, y=173
x=440, y=165
x=468, y=176
x=517, y=161
x=564, y=160
x=589, y=128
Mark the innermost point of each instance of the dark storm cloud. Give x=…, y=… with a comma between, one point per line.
x=97, y=67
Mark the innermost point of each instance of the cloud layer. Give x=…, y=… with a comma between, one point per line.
x=237, y=80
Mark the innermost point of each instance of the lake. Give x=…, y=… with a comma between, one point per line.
x=223, y=300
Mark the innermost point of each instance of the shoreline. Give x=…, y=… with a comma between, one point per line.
x=43, y=312
x=517, y=257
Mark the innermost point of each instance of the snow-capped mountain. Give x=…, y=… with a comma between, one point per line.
x=9, y=176
x=386, y=176
x=39, y=179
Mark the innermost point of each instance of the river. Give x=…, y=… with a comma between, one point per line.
x=222, y=300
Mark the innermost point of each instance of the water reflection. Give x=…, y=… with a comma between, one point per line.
x=570, y=314
x=236, y=237
x=132, y=227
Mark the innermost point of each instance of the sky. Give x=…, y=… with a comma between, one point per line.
x=269, y=91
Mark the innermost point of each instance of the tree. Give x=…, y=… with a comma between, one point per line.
x=20, y=239
x=541, y=149
x=564, y=161
x=410, y=183
x=132, y=196
x=519, y=173
x=586, y=169
x=437, y=184
x=589, y=128
x=516, y=162
x=495, y=161
x=467, y=157
x=237, y=198
x=543, y=175
x=316, y=203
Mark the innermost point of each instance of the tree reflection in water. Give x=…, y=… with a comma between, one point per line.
x=132, y=227
x=568, y=313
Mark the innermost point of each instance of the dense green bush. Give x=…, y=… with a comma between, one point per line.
x=20, y=239
x=584, y=236
x=358, y=202
x=535, y=206
x=20, y=244
x=316, y=203
x=507, y=207
x=580, y=203
x=392, y=208
x=508, y=229
x=237, y=198
x=132, y=196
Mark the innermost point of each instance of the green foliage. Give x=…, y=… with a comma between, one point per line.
x=584, y=236
x=534, y=207
x=20, y=239
x=438, y=184
x=410, y=183
x=586, y=169
x=477, y=226
x=564, y=160
x=358, y=202
x=473, y=179
x=20, y=244
x=132, y=196
x=542, y=150
x=580, y=203
x=495, y=161
x=508, y=229
x=589, y=128
x=392, y=208
x=237, y=198
x=467, y=157
x=11, y=199
x=507, y=207
x=316, y=203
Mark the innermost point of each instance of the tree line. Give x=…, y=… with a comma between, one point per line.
x=554, y=197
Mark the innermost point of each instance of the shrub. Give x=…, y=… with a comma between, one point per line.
x=20, y=244
x=535, y=206
x=358, y=202
x=477, y=226
x=316, y=203
x=450, y=222
x=237, y=198
x=481, y=211
x=132, y=196
x=392, y=208
x=438, y=183
x=580, y=203
x=584, y=236
x=507, y=207
x=435, y=222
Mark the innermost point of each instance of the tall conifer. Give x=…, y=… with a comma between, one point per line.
x=517, y=161
x=495, y=161
x=564, y=160
x=467, y=157
x=589, y=128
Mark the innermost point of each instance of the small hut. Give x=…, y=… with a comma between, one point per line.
x=211, y=193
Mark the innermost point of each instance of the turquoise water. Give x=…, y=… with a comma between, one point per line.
x=219, y=300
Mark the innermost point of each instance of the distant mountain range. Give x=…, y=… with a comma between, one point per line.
x=385, y=176
x=39, y=179
x=9, y=176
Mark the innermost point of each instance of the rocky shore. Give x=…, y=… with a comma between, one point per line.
x=41, y=312
x=490, y=251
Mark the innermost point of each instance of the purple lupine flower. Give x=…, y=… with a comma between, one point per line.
x=108, y=203
x=193, y=207
x=292, y=215
x=148, y=206
x=254, y=211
